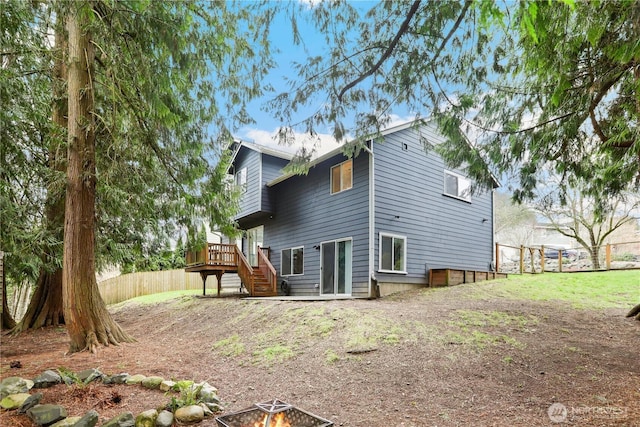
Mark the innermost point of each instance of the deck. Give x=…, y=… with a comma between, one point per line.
x=215, y=259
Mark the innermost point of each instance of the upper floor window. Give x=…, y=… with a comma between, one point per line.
x=342, y=176
x=456, y=185
x=292, y=261
x=241, y=179
x=393, y=249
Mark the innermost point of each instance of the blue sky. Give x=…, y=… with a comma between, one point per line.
x=313, y=43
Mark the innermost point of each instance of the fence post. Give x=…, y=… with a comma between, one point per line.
x=560, y=253
x=533, y=260
x=608, y=256
x=521, y=259
x=497, y=257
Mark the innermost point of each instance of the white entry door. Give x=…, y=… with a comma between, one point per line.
x=335, y=270
x=255, y=236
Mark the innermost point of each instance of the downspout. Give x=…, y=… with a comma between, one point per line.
x=372, y=219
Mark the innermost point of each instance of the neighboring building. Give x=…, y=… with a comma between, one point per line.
x=545, y=234
x=363, y=226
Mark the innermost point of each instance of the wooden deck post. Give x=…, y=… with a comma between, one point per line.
x=219, y=277
x=608, y=256
x=203, y=274
x=497, y=257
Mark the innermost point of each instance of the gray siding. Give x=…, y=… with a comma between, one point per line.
x=250, y=200
x=307, y=214
x=271, y=169
x=441, y=231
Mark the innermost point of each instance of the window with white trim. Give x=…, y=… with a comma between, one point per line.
x=240, y=179
x=342, y=176
x=292, y=261
x=393, y=253
x=456, y=185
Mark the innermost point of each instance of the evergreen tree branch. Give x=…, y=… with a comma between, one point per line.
x=387, y=53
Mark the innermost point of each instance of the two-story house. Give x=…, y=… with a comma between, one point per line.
x=363, y=226
x=357, y=226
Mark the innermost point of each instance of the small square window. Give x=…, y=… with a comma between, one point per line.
x=393, y=251
x=342, y=176
x=241, y=179
x=292, y=261
x=457, y=186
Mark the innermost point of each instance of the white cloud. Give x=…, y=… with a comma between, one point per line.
x=323, y=142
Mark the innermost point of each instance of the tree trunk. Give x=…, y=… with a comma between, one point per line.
x=595, y=257
x=7, y=320
x=634, y=312
x=45, y=307
x=20, y=299
x=88, y=320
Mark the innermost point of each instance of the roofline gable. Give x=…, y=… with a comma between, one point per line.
x=262, y=149
x=336, y=151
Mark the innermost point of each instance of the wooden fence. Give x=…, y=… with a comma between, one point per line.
x=127, y=286
x=524, y=259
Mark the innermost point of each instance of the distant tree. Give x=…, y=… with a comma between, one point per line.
x=514, y=222
x=577, y=216
x=492, y=73
x=155, y=258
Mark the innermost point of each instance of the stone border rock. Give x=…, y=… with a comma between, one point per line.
x=14, y=395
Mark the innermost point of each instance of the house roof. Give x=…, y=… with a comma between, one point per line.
x=338, y=150
x=263, y=149
x=288, y=156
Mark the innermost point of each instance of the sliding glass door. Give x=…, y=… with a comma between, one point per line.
x=335, y=275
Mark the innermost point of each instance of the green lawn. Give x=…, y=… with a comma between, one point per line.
x=157, y=298
x=583, y=290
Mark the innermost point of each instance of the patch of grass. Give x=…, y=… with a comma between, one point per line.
x=229, y=347
x=369, y=329
x=275, y=353
x=283, y=331
x=471, y=328
x=472, y=318
x=157, y=298
x=593, y=290
x=311, y=320
x=277, y=333
x=331, y=356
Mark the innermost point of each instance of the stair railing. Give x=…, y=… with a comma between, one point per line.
x=267, y=269
x=245, y=271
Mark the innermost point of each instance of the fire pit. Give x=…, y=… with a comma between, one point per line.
x=272, y=414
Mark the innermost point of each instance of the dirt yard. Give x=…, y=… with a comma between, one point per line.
x=460, y=356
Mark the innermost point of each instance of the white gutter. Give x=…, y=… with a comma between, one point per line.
x=372, y=216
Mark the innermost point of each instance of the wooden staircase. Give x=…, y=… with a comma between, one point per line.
x=218, y=258
x=261, y=285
